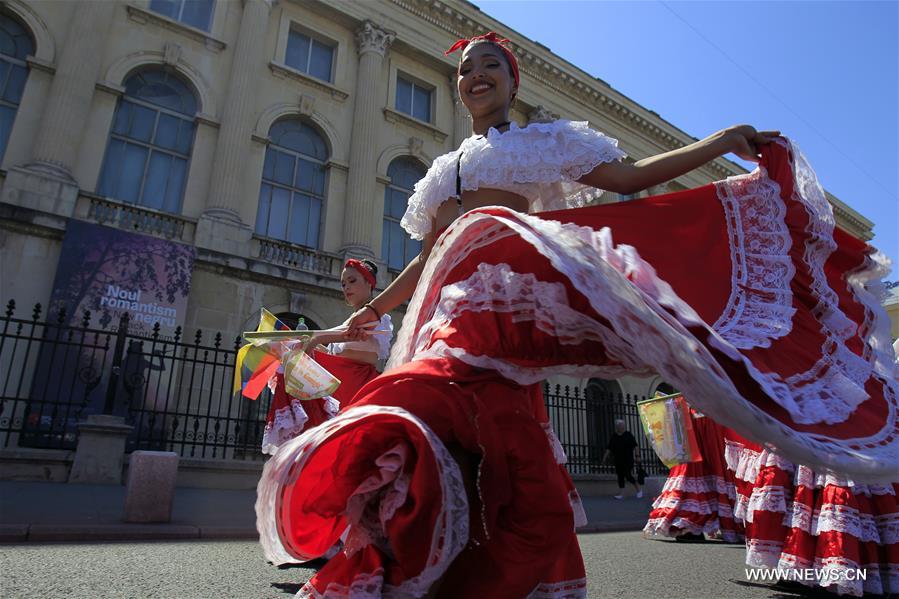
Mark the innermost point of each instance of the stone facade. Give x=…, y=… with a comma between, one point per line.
x=85, y=51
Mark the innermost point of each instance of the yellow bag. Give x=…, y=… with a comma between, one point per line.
x=304, y=378
x=667, y=422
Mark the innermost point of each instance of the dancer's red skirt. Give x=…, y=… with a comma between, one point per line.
x=698, y=497
x=741, y=294
x=288, y=416
x=797, y=520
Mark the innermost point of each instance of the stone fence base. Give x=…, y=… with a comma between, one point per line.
x=54, y=465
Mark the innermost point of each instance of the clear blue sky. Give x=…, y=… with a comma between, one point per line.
x=825, y=73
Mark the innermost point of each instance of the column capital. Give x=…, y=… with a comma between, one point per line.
x=371, y=38
x=541, y=114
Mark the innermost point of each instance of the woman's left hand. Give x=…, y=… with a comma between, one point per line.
x=745, y=141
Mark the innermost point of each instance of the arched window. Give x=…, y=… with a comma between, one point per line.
x=397, y=248
x=15, y=45
x=292, y=195
x=149, y=145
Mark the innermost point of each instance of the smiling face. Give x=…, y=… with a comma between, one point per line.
x=486, y=84
x=356, y=290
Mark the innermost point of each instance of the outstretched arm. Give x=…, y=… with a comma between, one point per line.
x=400, y=290
x=620, y=177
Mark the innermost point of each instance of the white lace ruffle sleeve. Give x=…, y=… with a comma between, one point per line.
x=541, y=162
x=379, y=344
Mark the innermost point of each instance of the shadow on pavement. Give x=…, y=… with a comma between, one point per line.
x=287, y=587
x=315, y=564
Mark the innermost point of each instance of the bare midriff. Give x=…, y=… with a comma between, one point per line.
x=358, y=355
x=478, y=198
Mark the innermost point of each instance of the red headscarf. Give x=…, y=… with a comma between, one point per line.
x=496, y=40
x=360, y=266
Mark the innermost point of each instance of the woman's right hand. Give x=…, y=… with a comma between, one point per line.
x=745, y=141
x=360, y=323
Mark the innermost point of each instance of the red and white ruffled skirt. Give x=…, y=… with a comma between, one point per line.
x=741, y=294
x=288, y=416
x=819, y=529
x=699, y=497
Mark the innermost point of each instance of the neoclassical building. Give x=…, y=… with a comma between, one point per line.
x=275, y=137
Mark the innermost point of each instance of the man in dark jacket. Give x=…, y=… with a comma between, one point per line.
x=625, y=453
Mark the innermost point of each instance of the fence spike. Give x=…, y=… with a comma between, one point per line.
x=218, y=340
x=177, y=333
x=61, y=316
x=10, y=308
x=198, y=337
x=86, y=319
x=36, y=313
x=156, y=328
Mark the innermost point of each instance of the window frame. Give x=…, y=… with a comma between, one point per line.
x=294, y=27
x=182, y=3
x=386, y=218
x=415, y=82
x=14, y=62
x=325, y=164
x=111, y=136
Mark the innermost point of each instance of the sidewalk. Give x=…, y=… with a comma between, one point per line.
x=44, y=511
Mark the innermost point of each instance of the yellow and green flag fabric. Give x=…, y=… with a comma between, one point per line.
x=256, y=364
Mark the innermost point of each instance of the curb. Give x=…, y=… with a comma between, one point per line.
x=43, y=533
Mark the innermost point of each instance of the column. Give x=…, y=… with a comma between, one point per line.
x=221, y=227
x=72, y=89
x=371, y=44
x=461, y=117
x=236, y=127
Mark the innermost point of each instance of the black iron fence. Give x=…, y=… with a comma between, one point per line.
x=176, y=393
x=585, y=422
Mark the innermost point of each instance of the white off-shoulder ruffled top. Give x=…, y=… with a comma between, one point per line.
x=379, y=344
x=541, y=162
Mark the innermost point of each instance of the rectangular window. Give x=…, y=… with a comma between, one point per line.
x=196, y=13
x=413, y=99
x=309, y=55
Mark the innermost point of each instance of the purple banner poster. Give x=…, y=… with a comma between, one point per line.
x=112, y=272
x=109, y=273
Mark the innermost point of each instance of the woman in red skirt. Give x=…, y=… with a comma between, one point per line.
x=352, y=362
x=439, y=476
x=816, y=527
x=698, y=497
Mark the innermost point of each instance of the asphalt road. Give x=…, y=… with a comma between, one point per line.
x=618, y=565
